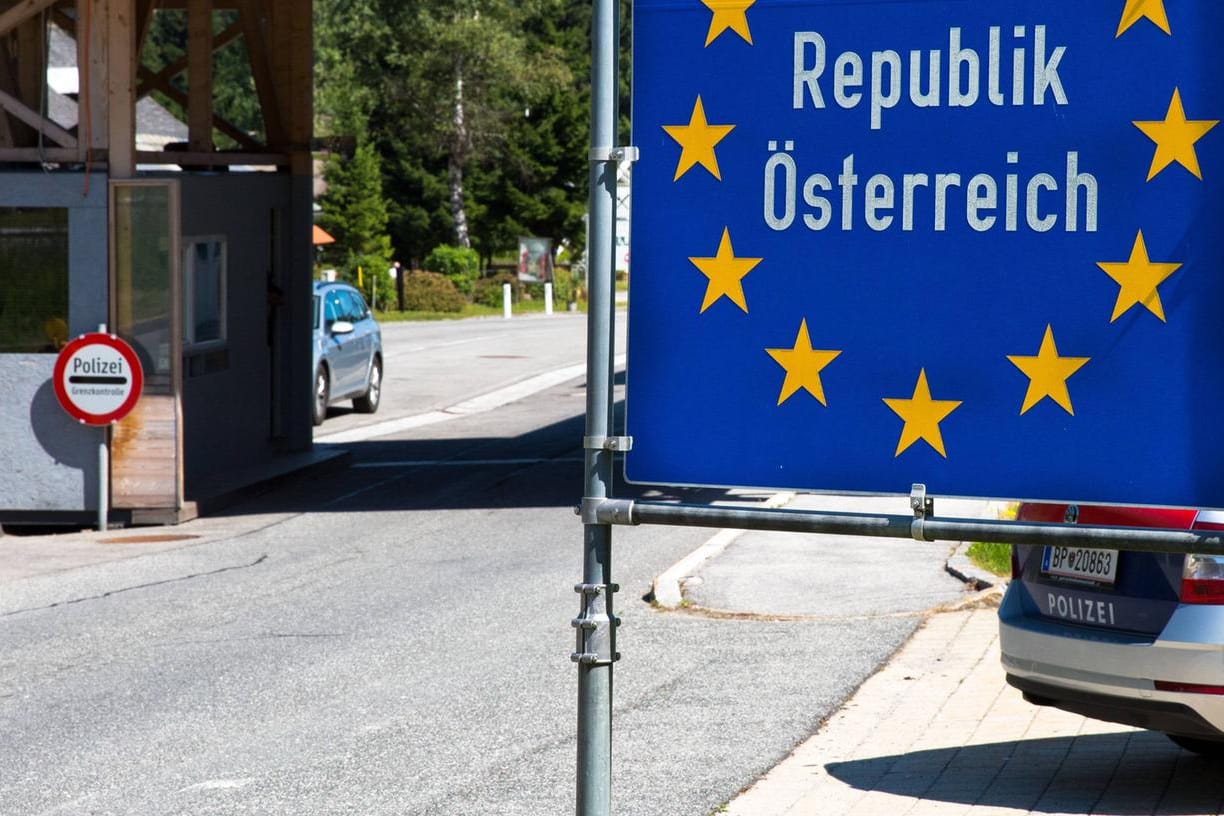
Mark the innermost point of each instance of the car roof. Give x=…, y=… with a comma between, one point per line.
x=322, y=286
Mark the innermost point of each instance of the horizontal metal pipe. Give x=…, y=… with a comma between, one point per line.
x=624, y=511
x=799, y=521
x=1207, y=542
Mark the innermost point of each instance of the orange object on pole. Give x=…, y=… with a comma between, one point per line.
x=319, y=236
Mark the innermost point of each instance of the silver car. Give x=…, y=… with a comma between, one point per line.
x=347, y=345
x=1128, y=637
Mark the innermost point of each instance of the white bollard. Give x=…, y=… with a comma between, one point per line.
x=548, y=298
x=506, y=301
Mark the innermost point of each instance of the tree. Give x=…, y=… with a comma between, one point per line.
x=469, y=70
x=479, y=110
x=355, y=214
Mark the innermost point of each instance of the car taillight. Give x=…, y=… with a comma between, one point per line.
x=1203, y=575
x=1191, y=688
x=1203, y=579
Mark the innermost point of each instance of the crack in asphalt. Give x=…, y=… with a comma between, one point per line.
x=148, y=585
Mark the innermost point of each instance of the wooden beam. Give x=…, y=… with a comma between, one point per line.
x=121, y=88
x=252, y=23
x=11, y=131
x=53, y=131
x=6, y=133
x=64, y=20
x=32, y=155
x=199, y=75
x=144, y=21
x=7, y=140
x=91, y=68
x=213, y=159
x=224, y=125
x=32, y=64
x=18, y=14
x=181, y=5
x=292, y=55
x=179, y=66
x=302, y=129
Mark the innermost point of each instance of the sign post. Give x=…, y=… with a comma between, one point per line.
x=98, y=380
x=596, y=624
x=891, y=243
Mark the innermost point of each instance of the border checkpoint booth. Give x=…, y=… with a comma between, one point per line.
x=197, y=252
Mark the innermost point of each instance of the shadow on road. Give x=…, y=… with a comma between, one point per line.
x=541, y=468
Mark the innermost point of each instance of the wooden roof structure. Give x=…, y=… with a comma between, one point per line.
x=110, y=36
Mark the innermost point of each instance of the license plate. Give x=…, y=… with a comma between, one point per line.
x=1086, y=564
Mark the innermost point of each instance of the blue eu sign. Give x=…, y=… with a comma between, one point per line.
x=975, y=244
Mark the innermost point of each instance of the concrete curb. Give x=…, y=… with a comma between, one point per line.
x=964, y=570
x=667, y=590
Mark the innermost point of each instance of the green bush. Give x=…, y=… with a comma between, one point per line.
x=488, y=291
x=460, y=266
x=563, y=285
x=431, y=292
x=376, y=284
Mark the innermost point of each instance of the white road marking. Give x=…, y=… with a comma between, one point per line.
x=476, y=405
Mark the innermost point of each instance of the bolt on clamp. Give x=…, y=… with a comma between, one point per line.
x=595, y=628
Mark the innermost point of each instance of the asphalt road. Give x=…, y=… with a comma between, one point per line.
x=395, y=638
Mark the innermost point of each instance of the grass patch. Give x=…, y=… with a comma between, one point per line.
x=472, y=310
x=995, y=558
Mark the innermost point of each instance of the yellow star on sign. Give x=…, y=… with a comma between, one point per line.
x=1175, y=138
x=725, y=272
x=1138, y=278
x=697, y=140
x=728, y=14
x=922, y=416
x=803, y=365
x=1048, y=373
x=1136, y=10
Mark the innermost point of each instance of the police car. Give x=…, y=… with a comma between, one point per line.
x=1129, y=637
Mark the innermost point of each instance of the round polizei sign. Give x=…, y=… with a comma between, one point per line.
x=98, y=379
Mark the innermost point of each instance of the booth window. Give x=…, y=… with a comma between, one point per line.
x=203, y=293
x=33, y=279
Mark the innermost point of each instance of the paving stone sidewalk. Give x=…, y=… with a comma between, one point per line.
x=939, y=732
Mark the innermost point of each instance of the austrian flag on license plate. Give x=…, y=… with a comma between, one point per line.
x=1081, y=562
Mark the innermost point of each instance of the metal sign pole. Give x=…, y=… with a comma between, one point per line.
x=103, y=469
x=595, y=624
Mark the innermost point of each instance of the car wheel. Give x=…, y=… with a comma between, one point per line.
x=322, y=387
x=367, y=403
x=1212, y=749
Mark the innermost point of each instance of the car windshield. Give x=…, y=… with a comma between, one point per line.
x=354, y=307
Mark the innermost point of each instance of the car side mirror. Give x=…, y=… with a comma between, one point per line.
x=342, y=327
